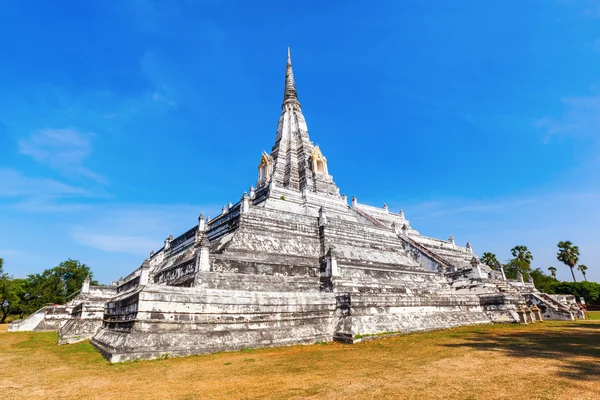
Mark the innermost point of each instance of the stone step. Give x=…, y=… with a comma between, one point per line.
x=258, y=283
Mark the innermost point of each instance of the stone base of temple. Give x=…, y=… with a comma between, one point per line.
x=177, y=321
x=373, y=315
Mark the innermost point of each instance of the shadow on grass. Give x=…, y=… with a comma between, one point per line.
x=569, y=345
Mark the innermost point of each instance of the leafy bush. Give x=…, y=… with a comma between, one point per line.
x=590, y=291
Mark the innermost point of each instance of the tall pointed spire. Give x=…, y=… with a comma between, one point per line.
x=289, y=95
x=294, y=163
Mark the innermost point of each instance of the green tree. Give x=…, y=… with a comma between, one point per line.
x=568, y=254
x=514, y=266
x=56, y=285
x=20, y=308
x=11, y=291
x=542, y=282
x=489, y=259
x=522, y=254
x=582, y=268
x=590, y=291
x=552, y=271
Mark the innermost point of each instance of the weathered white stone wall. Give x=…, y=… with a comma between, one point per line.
x=181, y=321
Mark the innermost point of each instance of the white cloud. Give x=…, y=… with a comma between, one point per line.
x=15, y=184
x=581, y=118
x=135, y=228
x=538, y=220
x=64, y=150
x=115, y=243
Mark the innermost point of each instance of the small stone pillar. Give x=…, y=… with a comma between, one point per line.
x=451, y=241
x=469, y=248
x=476, y=268
x=345, y=198
x=252, y=193
x=152, y=253
x=401, y=214
x=145, y=273
x=223, y=210
x=396, y=229
x=354, y=202
x=202, y=257
x=537, y=313
x=85, y=288
x=529, y=315
x=500, y=268
x=520, y=277
x=385, y=207
x=405, y=231
x=168, y=242
x=322, y=217
x=332, y=266
x=201, y=223
x=521, y=314
x=229, y=206
x=245, y=203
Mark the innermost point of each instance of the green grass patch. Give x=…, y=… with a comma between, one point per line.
x=594, y=315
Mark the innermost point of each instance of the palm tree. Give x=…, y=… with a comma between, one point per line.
x=568, y=254
x=522, y=254
x=552, y=271
x=582, y=268
x=489, y=259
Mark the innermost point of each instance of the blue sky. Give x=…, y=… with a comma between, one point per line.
x=120, y=121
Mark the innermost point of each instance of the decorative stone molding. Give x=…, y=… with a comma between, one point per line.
x=319, y=162
x=264, y=170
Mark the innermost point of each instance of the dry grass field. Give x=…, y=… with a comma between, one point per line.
x=550, y=360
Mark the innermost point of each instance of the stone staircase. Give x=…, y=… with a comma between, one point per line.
x=550, y=308
x=504, y=287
